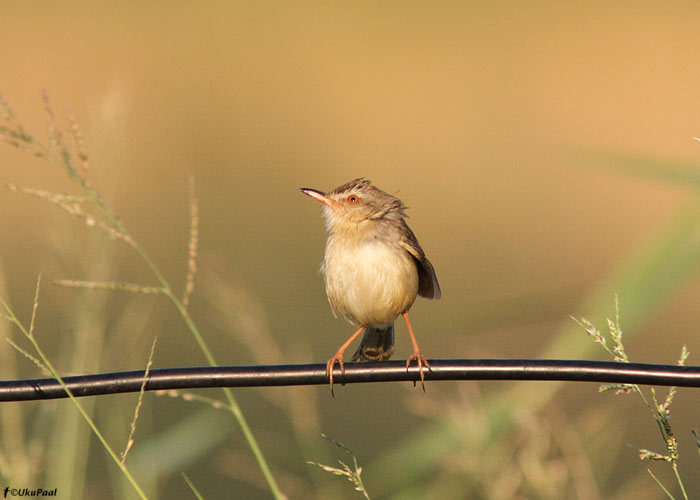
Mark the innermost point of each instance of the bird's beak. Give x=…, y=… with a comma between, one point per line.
x=320, y=196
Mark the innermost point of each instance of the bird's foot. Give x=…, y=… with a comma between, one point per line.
x=421, y=362
x=337, y=358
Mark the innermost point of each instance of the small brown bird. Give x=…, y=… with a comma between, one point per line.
x=374, y=268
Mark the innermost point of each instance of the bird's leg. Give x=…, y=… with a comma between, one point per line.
x=338, y=357
x=417, y=356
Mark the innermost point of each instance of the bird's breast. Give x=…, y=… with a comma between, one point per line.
x=370, y=282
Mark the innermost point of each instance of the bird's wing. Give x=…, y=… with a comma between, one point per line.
x=428, y=285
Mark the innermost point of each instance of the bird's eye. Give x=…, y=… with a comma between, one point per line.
x=352, y=199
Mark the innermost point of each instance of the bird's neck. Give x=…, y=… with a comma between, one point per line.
x=354, y=233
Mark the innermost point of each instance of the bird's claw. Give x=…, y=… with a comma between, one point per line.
x=329, y=369
x=421, y=362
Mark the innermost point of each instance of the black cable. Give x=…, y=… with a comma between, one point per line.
x=386, y=371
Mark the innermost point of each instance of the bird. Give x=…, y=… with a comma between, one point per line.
x=374, y=268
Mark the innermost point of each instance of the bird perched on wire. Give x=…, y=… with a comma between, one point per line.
x=374, y=268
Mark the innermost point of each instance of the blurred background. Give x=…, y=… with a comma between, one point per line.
x=546, y=152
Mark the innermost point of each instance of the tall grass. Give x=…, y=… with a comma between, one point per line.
x=90, y=207
x=660, y=412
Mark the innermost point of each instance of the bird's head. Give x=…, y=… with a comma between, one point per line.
x=355, y=202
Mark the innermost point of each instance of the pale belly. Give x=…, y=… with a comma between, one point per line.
x=371, y=283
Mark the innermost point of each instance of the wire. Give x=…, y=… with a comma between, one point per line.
x=386, y=371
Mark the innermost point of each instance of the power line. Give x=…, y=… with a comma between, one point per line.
x=386, y=371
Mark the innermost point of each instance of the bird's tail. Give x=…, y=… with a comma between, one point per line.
x=377, y=344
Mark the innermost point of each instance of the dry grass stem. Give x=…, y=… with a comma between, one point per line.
x=80, y=143
x=188, y=396
x=56, y=152
x=31, y=358
x=56, y=198
x=45, y=363
x=55, y=136
x=137, y=410
x=35, y=306
x=8, y=115
x=17, y=140
x=193, y=246
x=59, y=154
x=111, y=286
x=72, y=204
x=354, y=474
x=15, y=135
x=661, y=412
